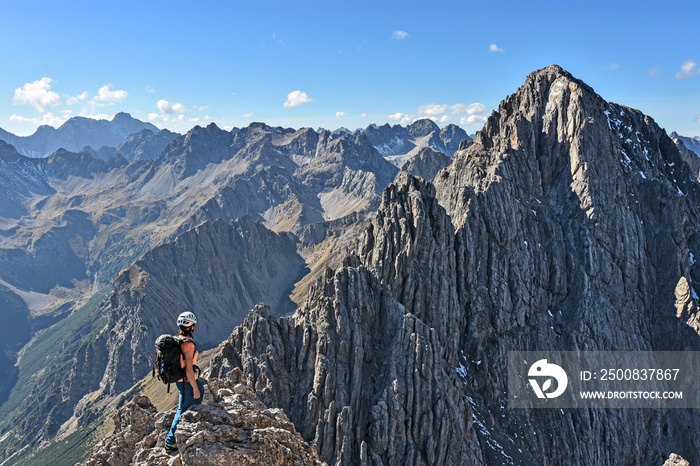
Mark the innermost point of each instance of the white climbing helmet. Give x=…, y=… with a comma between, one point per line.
x=186, y=319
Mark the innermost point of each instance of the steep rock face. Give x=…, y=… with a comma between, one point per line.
x=427, y=163
x=21, y=178
x=14, y=316
x=232, y=428
x=575, y=229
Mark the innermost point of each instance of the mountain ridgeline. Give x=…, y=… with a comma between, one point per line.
x=568, y=223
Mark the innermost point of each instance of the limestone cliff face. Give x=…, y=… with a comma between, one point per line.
x=568, y=224
x=575, y=225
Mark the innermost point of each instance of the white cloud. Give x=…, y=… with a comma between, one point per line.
x=400, y=35
x=247, y=115
x=402, y=118
x=107, y=96
x=168, y=108
x=22, y=119
x=471, y=109
x=77, y=99
x=157, y=117
x=150, y=89
x=473, y=120
x=47, y=118
x=203, y=107
x=496, y=48
x=38, y=94
x=612, y=67
x=364, y=115
x=296, y=98
x=431, y=110
x=655, y=72
x=340, y=114
x=697, y=117
x=688, y=70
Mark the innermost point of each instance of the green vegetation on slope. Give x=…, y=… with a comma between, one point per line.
x=35, y=406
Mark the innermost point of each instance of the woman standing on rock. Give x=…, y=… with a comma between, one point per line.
x=190, y=388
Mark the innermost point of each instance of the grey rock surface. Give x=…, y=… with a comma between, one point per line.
x=232, y=428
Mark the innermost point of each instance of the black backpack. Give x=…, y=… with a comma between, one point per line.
x=167, y=359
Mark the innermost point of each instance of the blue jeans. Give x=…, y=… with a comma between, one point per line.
x=187, y=399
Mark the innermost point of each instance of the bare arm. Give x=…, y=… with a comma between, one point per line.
x=189, y=370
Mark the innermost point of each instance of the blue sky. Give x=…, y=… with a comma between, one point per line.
x=332, y=64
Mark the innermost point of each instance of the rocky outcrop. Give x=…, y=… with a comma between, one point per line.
x=232, y=428
x=676, y=460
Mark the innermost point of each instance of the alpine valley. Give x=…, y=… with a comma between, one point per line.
x=357, y=292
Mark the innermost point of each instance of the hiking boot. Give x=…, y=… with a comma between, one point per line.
x=170, y=448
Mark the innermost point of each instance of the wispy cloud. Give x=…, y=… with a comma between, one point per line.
x=612, y=67
x=400, y=35
x=340, y=114
x=688, y=69
x=496, y=48
x=655, y=72
x=364, y=115
x=697, y=117
x=296, y=98
x=38, y=94
x=247, y=115
x=47, y=118
x=78, y=99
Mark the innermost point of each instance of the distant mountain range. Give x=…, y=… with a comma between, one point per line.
x=77, y=133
